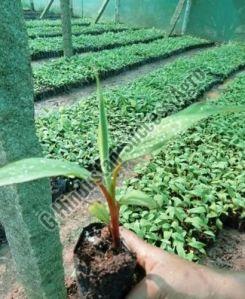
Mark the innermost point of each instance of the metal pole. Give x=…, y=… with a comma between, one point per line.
x=117, y=16
x=46, y=9
x=176, y=16
x=186, y=16
x=32, y=5
x=72, y=8
x=101, y=11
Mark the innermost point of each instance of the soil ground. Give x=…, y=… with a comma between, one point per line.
x=228, y=252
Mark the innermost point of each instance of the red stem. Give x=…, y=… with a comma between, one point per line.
x=114, y=212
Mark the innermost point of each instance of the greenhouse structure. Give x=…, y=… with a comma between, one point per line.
x=122, y=149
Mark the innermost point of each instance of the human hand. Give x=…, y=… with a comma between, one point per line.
x=168, y=276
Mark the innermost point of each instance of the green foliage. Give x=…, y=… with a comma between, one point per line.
x=53, y=31
x=170, y=127
x=78, y=70
x=55, y=23
x=100, y=211
x=199, y=178
x=35, y=168
x=131, y=198
x=103, y=139
x=44, y=47
x=189, y=221
x=137, y=198
x=71, y=133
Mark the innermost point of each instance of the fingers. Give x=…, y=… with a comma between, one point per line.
x=133, y=242
x=149, y=288
x=146, y=253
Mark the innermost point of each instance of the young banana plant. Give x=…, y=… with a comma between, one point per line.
x=158, y=135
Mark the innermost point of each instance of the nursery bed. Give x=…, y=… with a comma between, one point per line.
x=54, y=31
x=53, y=47
x=54, y=23
x=78, y=71
x=75, y=95
x=71, y=134
x=198, y=179
x=30, y=15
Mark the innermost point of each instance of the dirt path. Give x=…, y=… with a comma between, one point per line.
x=214, y=93
x=77, y=94
x=228, y=251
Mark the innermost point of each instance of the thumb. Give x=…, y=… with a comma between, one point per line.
x=145, y=252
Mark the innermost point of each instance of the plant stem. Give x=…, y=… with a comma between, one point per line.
x=114, y=213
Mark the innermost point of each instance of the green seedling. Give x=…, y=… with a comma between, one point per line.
x=156, y=137
x=63, y=73
x=198, y=181
x=41, y=47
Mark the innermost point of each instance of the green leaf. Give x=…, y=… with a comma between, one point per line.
x=137, y=198
x=103, y=137
x=180, y=248
x=158, y=135
x=196, y=222
x=196, y=244
x=100, y=211
x=36, y=168
x=160, y=199
x=209, y=233
x=219, y=224
x=167, y=234
x=198, y=210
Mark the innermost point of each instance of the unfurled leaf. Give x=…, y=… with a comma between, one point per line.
x=196, y=244
x=160, y=199
x=209, y=233
x=103, y=137
x=137, y=198
x=100, y=211
x=219, y=224
x=36, y=168
x=158, y=135
x=167, y=234
x=180, y=248
x=196, y=222
x=197, y=210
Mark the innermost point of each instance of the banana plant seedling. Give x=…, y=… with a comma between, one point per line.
x=157, y=136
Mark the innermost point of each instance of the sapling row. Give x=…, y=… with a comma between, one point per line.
x=52, y=46
x=55, y=23
x=76, y=30
x=159, y=134
x=61, y=74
